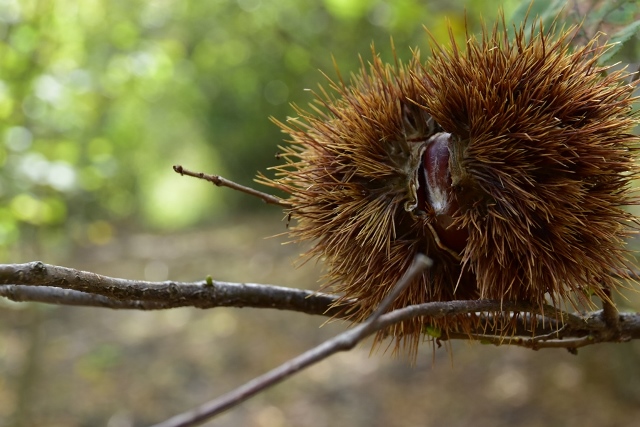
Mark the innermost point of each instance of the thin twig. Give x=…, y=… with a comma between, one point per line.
x=345, y=341
x=223, y=182
x=59, y=296
x=342, y=342
x=420, y=263
x=610, y=315
x=533, y=343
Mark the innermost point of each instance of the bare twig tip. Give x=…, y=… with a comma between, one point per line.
x=423, y=261
x=223, y=182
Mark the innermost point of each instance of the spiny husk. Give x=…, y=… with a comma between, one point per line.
x=541, y=162
x=350, y=175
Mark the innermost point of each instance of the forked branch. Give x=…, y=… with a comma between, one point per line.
x=39, y=282
x=343, y=342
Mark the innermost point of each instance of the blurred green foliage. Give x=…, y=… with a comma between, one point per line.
x=98, y=99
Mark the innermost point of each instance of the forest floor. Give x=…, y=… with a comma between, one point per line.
x=69, y=366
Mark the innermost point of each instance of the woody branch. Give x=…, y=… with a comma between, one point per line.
x=39, y=282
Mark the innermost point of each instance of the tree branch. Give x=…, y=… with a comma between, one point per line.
x=347, y=340
x=102, y=291
x=342, y=342
x=553, y=328
x=223, y=182
x=59, y=296
x=39, y=282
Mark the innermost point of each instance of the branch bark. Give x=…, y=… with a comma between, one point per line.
x=36, y=281
x=219, y=181
x=39, y=282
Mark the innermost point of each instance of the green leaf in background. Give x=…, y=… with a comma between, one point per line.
x=99, y=100
x=616, y=12
x=544, y=11
x=618, y=40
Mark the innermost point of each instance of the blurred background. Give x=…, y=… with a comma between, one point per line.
x=99, y=98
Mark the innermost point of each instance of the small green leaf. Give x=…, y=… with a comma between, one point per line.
x=588, y=291
x=209, y=281
x=432, y=331
x=619, y=39
x=618, y=13
x=542, y=10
